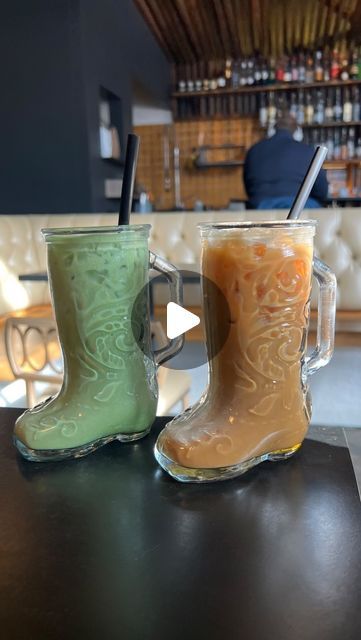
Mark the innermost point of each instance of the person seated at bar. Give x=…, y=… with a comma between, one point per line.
x=275, y=167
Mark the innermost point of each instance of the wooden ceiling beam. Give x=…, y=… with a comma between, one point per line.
x=188, y=18
x=175, y=37
x=232, y=30
x=256, y=23
x=207, y=43
x=152, y=24
x=221, y=21
x=204, y=30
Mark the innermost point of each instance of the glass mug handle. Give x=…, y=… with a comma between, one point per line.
x=174, y=279
x=326, y=280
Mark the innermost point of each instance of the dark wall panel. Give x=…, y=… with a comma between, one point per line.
x=44, y=156
x=55, y=55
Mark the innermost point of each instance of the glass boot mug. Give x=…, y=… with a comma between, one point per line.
x=257, y=405
x=99, y=284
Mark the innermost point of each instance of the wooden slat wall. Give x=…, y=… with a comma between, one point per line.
x=215, y=187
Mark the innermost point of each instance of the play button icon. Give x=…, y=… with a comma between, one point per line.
x=179, y=320
x=156, y=320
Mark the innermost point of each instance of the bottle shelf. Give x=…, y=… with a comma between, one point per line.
x=327, y=125
x=342, y=164
x=266, y=88
x=324, y=125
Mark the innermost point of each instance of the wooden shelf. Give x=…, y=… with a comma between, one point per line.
x=238, y=116
x=342, y=164
x=266, y=88
x=327, y=125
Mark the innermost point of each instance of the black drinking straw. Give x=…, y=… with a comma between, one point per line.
x=130, y=168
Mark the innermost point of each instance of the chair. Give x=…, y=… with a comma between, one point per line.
x=34, y=355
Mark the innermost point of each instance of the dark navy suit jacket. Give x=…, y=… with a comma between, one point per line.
x=275, y=168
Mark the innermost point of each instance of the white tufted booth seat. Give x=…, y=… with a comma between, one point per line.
x=175, y=237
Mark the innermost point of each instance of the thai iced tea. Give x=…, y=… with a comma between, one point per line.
x=256, y=401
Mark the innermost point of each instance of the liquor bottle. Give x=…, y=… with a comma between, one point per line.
x=315, y=137
x=294, y=69
x=263, y=111
x=221, y=78
x=264, y=72
x=354, y=65
x=228, y=72
x=329, y=108
x=309, y=110
x=235, y=74
x=182, y=86
x=301, y=68
x=272, y=71
x=359, y=64
x=337, y=107
x=343, y=153
x=250, y=74
x=323, y=137
x=347, y=106
x=358, y=148
x=319, y=116
x=344, y=71
x=206, y=78
x=351, y=143
x=293, y=106
x=287, y=76
x=335, y=65
x=300, y=109
x=189, y=75
x=198, y=85
x=272, y=111
x=244, y=73
x=326, y=65
x=205, y=84
x=253, y=104
x=309, y=68
x=330, y=145
x=213, y=85
x=318, y=66
x=280, y=71
x=337, y=145
x=257, y=72
x=281, y=104
x=218, y=102
x=355, y=104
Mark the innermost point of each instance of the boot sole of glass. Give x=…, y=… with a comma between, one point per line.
x=188, y=474
x=52, y=455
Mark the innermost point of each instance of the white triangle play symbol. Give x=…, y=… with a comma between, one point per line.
x=179, y=320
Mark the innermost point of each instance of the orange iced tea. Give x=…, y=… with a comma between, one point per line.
x=256, y=401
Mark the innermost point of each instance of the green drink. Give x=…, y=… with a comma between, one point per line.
x=98, y=281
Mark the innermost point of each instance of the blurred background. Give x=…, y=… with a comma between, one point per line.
x=201, y=83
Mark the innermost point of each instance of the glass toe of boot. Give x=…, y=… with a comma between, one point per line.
x=47, y=433
x=211, y=459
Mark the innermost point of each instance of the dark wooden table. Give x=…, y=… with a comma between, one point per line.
x=110, y=547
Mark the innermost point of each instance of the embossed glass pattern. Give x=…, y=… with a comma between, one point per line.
x=98, y=279
x=257, y=405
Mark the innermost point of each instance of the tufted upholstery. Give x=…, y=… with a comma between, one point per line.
x=175, y=237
